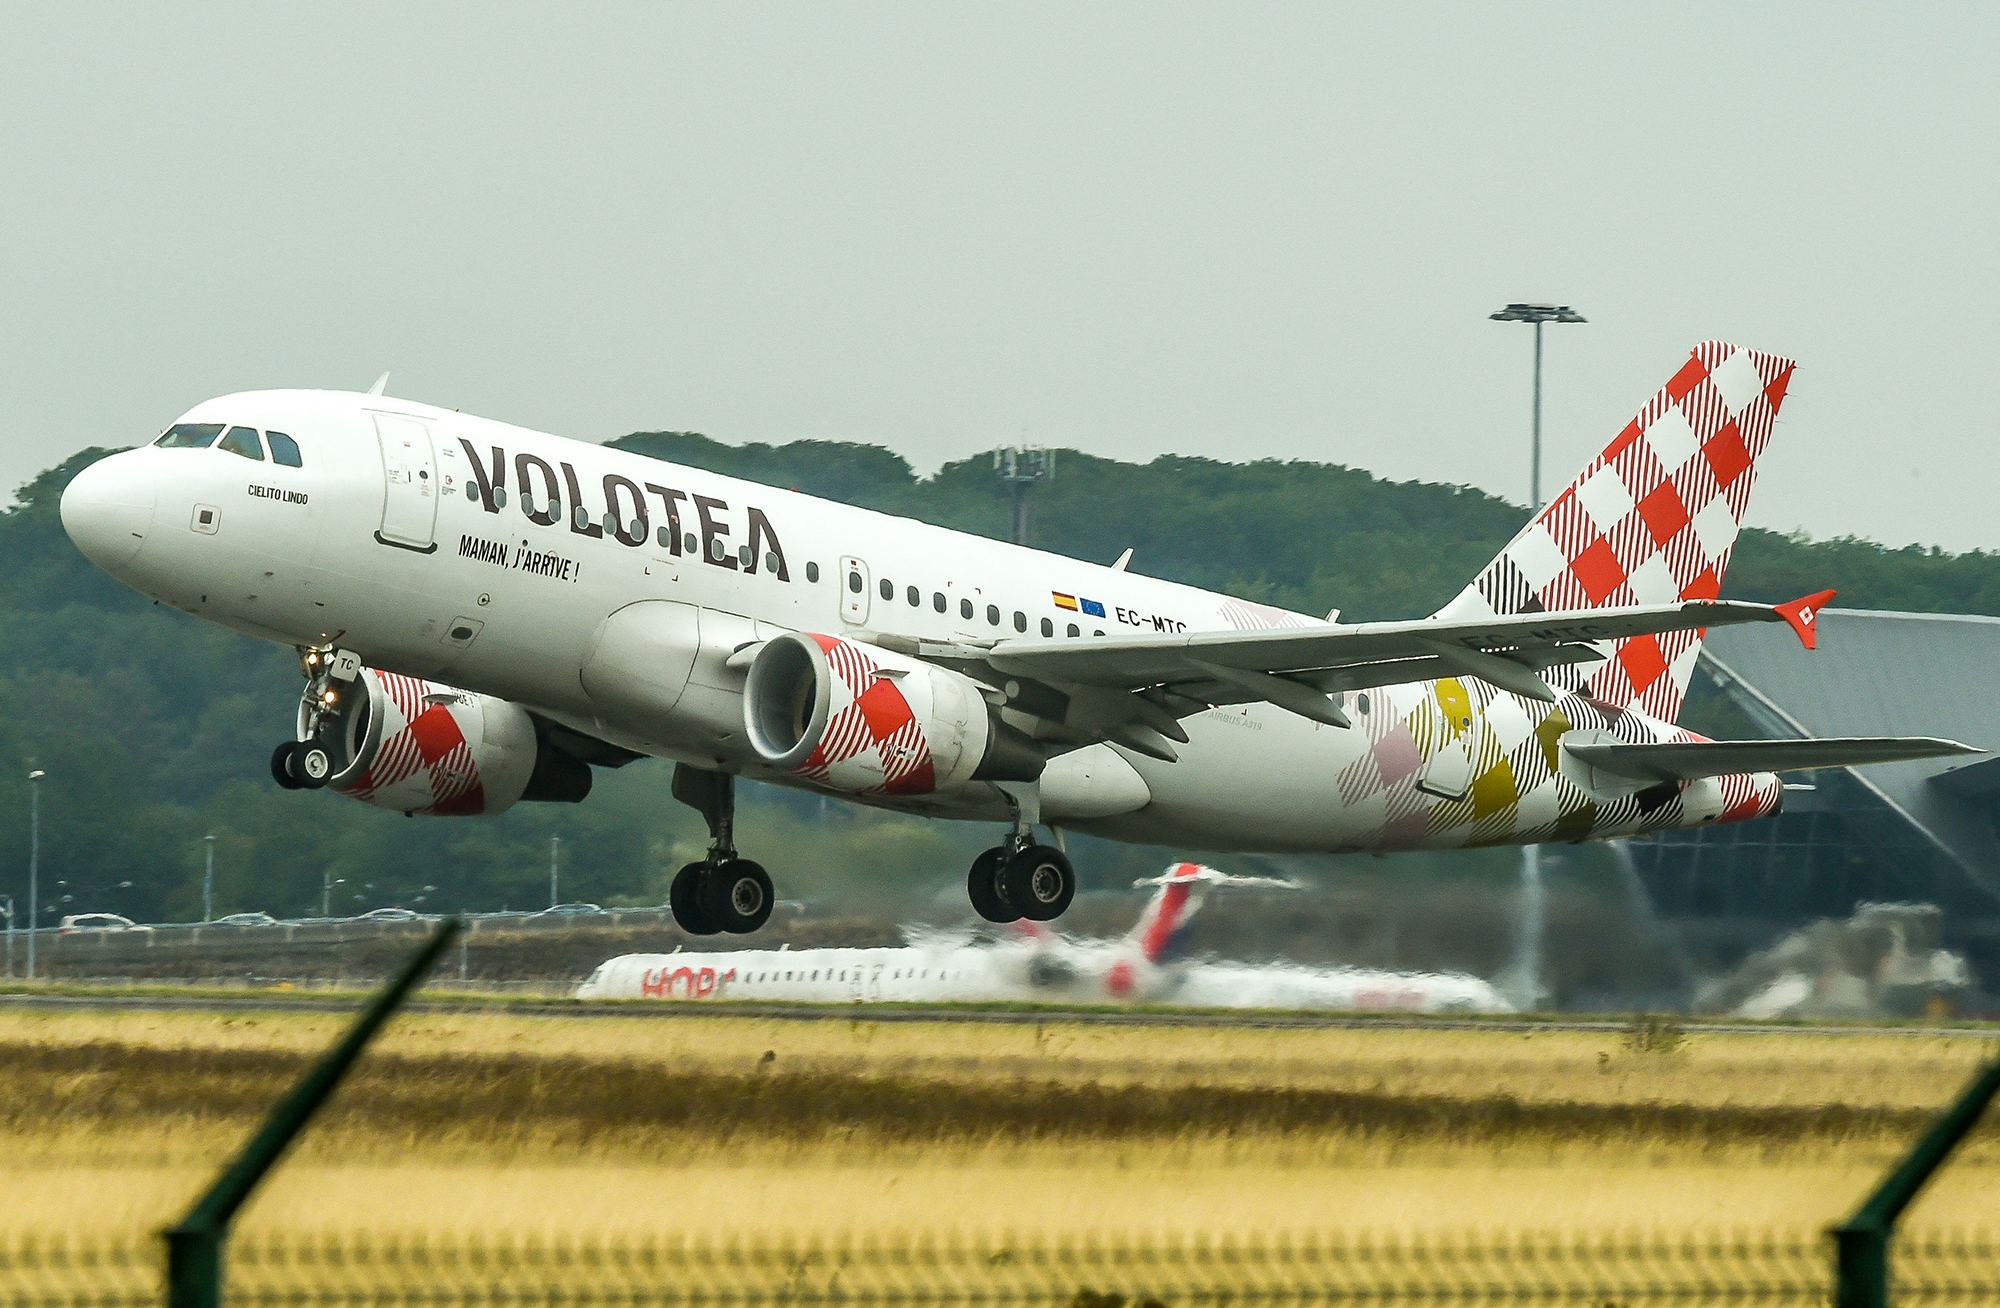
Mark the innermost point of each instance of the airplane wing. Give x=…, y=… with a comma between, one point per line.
x=1296, y=668
x=1689, y=760
x=1135, y=689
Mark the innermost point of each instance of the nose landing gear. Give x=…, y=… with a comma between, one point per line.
x=307, y=764
x=722, y=892
x=301, y=765
x=1019, y=878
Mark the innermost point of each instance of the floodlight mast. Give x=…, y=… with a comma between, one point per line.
x=1537, y=314
x=1023, y=467
x=1527, y=968
x=34, y=862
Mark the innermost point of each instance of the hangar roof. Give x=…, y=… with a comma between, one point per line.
x=1888, y=674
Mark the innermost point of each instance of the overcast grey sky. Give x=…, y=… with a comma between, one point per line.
x=1227, y=230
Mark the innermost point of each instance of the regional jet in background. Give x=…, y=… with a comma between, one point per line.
x=1038, y=965
x=483, y=614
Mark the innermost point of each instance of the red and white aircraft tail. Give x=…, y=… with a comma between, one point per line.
x=1182, y=888
x=1651, y=520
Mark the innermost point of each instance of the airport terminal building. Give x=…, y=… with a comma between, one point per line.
x=1896, y=832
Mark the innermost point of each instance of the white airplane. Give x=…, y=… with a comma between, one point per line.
x=1037, y=965
x=484, y=613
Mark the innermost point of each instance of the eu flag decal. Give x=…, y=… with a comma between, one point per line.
x=1093, y=608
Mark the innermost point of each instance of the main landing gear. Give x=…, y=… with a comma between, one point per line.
x=722, y=892
x=1019, y=878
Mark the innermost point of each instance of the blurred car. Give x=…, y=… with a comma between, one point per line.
x=388, y=915
x=247, y=919
x=99, y=922
x=570, y=910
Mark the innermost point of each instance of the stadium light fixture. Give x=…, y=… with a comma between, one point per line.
x=1538, y=314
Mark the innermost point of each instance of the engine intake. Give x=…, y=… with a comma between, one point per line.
x=865, y=720
x=419, y=746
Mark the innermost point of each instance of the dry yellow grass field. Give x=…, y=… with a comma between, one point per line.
x=742, y=1125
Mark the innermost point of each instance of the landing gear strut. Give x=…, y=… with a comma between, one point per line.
x=308, y=764
x=1019, y=878
x=722, y=892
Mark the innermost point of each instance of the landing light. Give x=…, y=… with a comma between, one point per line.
x=328, y=697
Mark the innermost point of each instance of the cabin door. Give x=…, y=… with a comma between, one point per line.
x=409, y=493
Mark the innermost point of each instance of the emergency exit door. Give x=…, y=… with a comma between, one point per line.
x=409, y=477
x=854, y=589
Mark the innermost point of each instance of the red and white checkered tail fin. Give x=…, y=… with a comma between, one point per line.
x=1652, y=520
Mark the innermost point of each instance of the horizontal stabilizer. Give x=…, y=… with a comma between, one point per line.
x=1210, y=877
x=1692, y=759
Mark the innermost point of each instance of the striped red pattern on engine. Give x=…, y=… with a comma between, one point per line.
x=420, y=737
x=869, y=713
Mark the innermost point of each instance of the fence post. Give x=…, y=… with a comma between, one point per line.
x=1861, y=1243
x=194, y=1244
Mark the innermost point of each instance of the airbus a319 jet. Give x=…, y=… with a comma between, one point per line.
x=484, y=614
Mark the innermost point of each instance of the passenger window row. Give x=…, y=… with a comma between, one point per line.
x=915, y=599
x=242, y=441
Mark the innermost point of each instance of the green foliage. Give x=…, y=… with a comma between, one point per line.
x=1773, y=568
x=156, y=729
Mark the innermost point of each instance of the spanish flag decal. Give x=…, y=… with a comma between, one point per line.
x=1063, y=601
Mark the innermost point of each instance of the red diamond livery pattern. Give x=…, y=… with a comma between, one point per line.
x=424, y=764
x=1652, y=520
x=873, y=743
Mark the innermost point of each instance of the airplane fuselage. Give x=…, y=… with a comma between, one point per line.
x=465, y=551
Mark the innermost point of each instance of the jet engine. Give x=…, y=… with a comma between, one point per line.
x=865, y=720
x=421, y=747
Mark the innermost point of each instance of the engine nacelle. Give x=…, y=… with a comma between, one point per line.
x=422, y=747
x=864, y=720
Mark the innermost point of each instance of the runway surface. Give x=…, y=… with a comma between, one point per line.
x=268, y=1002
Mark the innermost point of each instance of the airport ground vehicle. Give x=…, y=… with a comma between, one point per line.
x=99, y=922
x=484, y=614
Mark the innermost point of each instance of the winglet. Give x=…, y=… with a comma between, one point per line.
x=380, y=382
x=1803, y=615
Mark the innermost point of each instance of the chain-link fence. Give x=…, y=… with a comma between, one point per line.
x=1749, y=1268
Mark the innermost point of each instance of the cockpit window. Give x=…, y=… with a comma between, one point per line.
x=243, y=441
x=189, y=436
x=284, y=449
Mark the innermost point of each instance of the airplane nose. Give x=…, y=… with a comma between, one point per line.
x=107, y=509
